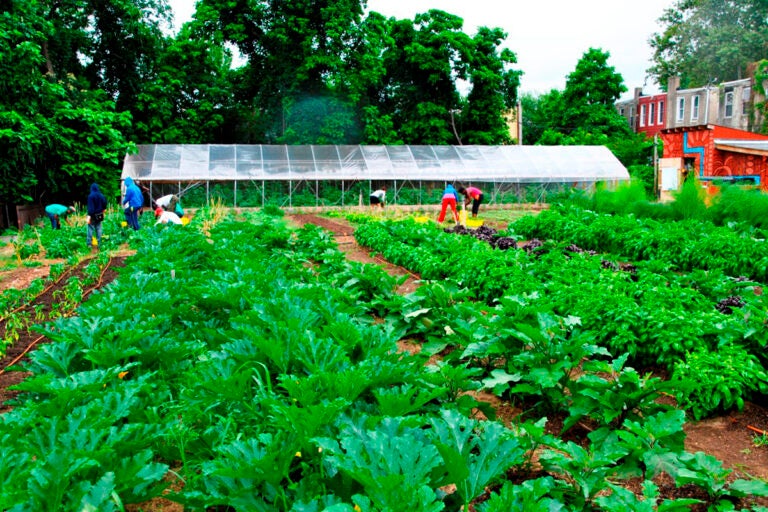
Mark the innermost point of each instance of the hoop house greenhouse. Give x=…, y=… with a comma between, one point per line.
x=309, y=175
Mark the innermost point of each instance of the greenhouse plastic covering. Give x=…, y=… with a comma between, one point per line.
x=240, y=162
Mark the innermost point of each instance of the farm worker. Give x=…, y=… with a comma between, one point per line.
x=56, y=212
x=146, y=198
x=132, y=202
x=170, y=203
x=378, y=197
x=450, y=199
x=97, y=205
x=164, y=217
x=473, y=194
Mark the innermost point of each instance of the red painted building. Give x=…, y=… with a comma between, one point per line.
x=651, y=114
x=715, y=152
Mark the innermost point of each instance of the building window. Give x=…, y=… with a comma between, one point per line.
x=745, y=100
x=729, y=104
x=651, y=114
x=632, y=118
x=642, y=115
x=695, y=108
x=661, y=113
x=680, y=109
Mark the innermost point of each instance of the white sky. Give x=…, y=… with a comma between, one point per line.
x=548, y=36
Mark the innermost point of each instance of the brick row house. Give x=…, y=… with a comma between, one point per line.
x=709, y=131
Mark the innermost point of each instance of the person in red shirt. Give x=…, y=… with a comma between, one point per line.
x=473, y=194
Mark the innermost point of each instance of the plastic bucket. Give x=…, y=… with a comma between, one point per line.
x=474, y=223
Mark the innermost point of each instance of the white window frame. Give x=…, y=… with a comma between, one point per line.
x=680, y=109
x=695, y=102
x=661, y=112
x=745, y=97
x=728, y=113
x=643, y=112
x=651, y=114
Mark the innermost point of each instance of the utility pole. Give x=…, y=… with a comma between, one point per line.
x=656, y=166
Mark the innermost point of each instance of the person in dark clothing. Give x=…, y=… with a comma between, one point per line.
x=97, y=206
x=146, y=196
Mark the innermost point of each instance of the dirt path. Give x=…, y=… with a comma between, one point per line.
x=344, y=238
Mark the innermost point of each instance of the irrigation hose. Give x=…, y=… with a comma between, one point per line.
x=37, y=340
x=18, y=358
x=385, y=262
x=101, y=279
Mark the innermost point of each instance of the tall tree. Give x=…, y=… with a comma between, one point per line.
x=56, y=134
x=113, y=44
x=494, y=89
x=706, y=40
x=429, y=55
x=584, y=113
x=188, y=96
x=297, y=54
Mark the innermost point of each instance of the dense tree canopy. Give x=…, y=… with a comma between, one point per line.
x=584, y=113
x=709, y=40
x=85, y=80
x=57, y=133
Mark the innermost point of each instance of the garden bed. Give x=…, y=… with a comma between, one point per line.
x=727, y=437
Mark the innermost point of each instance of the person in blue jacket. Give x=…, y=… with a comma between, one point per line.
x=132, y=202
x=97, y=205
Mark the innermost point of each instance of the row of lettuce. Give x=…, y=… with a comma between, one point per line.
x=251, y=366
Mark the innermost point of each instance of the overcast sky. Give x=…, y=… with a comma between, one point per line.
x=548, y=36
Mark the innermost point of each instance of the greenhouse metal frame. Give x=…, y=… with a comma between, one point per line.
x=344, y=175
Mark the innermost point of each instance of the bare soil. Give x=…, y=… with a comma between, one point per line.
x=21, y=278
x=730, y=438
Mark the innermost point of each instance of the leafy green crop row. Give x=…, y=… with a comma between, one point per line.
x=657, y=316
x=683, y=245
x=258, y=369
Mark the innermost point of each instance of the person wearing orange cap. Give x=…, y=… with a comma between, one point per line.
x=164, y=217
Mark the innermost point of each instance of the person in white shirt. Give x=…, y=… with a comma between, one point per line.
x=378, y=197
x=170, y=203
x=164, y=217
